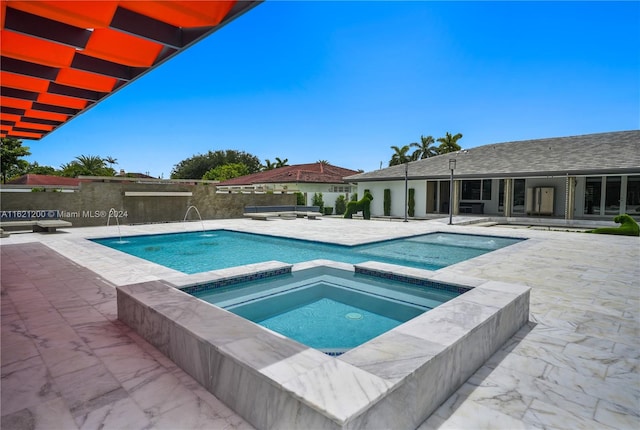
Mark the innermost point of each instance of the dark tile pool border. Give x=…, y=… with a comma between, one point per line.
x=191, y=289
x=221, y=283
x=411, y=280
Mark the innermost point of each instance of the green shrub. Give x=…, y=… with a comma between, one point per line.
x=387, y=202
x=328, y=210
x=363, y=205
x=300, y=199
x=411, y=209
x=628, y=227
x=317, y=201
x=354, y=197
x=341, y=205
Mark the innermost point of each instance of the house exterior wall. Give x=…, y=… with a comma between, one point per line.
x=397, y=196
x=628, y=200
x=559, y=186
x=328, y=196
x=491, y=207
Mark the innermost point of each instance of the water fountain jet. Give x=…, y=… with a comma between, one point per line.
x=198, y=212
x=114, y=213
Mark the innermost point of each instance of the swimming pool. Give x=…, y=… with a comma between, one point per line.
x=328, y=309
x=196, y=252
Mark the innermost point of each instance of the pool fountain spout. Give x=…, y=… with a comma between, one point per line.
x=114, y=213
x=197, y=211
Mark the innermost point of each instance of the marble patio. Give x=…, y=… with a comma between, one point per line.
x=67, y=362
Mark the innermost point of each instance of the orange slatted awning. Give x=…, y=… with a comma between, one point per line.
x=59, y=57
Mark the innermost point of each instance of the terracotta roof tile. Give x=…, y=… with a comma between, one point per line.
x=307, y=173
x=39, y=180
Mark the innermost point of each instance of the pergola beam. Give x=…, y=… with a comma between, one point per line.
x=59, y=58
x=47, y=29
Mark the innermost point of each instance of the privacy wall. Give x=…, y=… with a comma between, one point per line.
x=133, y=203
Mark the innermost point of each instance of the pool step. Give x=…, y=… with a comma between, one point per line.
x=485, y=224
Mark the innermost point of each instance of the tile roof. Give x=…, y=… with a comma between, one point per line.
x=299, y=173
x=40, y=180
x=601, y=153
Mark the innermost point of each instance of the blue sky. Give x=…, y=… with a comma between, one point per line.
x=344, y=81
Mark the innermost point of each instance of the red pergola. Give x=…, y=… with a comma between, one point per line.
x=60, y=58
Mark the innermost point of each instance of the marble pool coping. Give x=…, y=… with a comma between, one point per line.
x=394, y=381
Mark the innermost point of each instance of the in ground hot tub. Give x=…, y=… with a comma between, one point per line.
x=395, y=380
x=331, y=310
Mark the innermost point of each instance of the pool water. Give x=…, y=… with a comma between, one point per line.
x=196, y=252
x=328, y=309
x=328, y=324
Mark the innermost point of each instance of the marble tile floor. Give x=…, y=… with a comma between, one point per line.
x=67, y=362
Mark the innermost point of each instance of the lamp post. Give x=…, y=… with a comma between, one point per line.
x=452, y=167
x=406, y=189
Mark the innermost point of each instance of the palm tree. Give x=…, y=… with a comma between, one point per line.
x=425, y=148
x=449, y=143
x=90, y=164
x=87, y=165
x=110, y=160
x=325, y=162
x=400, y=156
x=281, y=163
x=268, y=165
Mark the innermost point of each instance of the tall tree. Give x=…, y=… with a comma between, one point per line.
x=400, y=155
x=425, y=149
x=268, y=165
x=11, y=152
x=37, y=169
x=449, y=143
x=281, y=163
x=110, y=161
x=87, y=165
x=195, y=167
x=226, y=171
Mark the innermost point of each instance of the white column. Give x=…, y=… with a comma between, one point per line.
x=508, y=197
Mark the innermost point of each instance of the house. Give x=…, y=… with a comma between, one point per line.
x=307, y=179
x=594, y=176
x=135, y=175
x=44, y=182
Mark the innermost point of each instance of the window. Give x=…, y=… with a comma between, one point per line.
x=612, y=195
x=633, y=195
x=471, y=190
x=592, y=196
x=486, y=189
x=476, y=190
x=518, y=195
x=340, y=189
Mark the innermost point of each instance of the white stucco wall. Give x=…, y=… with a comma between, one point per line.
x=397, y=196
x=328, y=197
